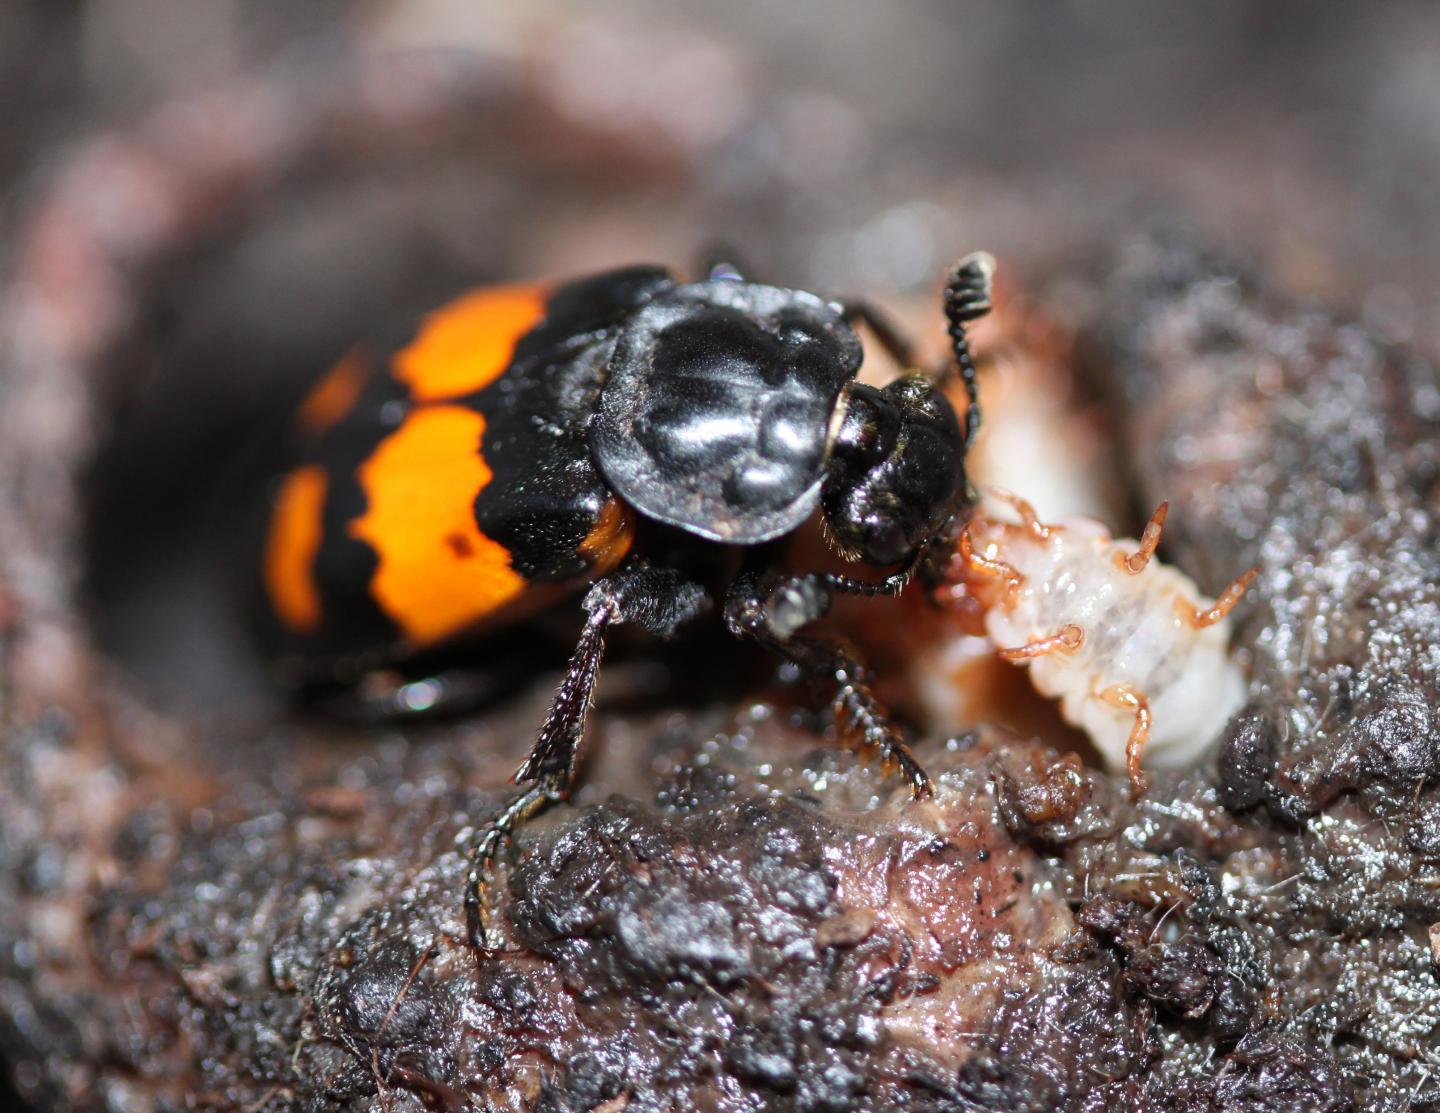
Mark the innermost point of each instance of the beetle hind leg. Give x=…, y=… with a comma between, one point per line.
x=551, y=766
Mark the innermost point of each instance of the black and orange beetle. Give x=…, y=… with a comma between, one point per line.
x=509, y=449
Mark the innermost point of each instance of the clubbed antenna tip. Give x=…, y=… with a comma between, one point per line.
x=967, y=298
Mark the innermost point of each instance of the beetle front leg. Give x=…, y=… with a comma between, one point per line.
x=772, y=610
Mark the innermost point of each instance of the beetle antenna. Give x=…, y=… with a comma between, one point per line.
x=967, y=298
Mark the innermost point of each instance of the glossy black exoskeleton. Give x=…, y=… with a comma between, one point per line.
x=731, y=411
x=509, y=449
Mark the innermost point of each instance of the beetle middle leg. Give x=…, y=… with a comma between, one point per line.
x=772, y=609
x=659, y=599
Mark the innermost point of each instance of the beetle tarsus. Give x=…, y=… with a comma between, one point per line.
x=487, y=848
x=893, y=584
x=859, y=714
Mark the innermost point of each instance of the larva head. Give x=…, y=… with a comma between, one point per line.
x=895, y=473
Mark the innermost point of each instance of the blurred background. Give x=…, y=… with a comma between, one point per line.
x=268, y=178
x=1311, y=124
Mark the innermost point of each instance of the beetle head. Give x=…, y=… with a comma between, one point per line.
x=896, y=470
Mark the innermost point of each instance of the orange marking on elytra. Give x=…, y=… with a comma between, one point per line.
x=333, y=396
x=460, y=545
x=610, y=538
x=296, y=530
x=469, y=343
x=437, y=573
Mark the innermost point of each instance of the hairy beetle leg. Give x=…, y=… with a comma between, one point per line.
x=658, y=599
x=859, y=714
x=1126, y=697
x=866, y=718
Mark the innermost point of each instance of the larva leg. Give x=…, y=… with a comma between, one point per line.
x=1149, y=541
x=989, y=568
x=1223, y=605
x=1122, y=695
x=1028, y=518
x=1069, y=639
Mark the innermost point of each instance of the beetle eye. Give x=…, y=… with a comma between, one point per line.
x=868, y=428
x=896, y=470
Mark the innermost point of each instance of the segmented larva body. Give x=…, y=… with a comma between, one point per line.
x=1136, y=656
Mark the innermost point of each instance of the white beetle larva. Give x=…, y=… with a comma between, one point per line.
x=1136, y=657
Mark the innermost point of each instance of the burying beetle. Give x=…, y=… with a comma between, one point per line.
x=505, y=453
